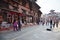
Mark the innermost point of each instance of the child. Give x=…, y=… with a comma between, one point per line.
x=15, y=25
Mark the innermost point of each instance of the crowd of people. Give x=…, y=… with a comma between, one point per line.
x=16, y=25
x=53, y=23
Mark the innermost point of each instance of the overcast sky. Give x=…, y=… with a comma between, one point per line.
x=47, y=5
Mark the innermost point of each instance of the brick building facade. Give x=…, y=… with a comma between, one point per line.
x=24, y=10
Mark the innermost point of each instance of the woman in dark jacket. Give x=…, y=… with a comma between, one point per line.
x=19, y=25
x=50, y=24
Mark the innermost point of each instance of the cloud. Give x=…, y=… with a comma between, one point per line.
x=47, y=5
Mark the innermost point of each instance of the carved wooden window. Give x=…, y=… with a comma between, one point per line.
x=3, y=4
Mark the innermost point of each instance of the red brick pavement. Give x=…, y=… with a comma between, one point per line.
x=4, y=29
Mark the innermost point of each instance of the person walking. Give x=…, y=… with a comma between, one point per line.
x=49, y=29
x=15, y=25
x=57, y=22
x=46, y=22
x=53, y=23
x=43, y=22
x=50, y=24
x=19, y=25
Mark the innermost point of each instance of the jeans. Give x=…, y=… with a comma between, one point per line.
x=50, y=26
